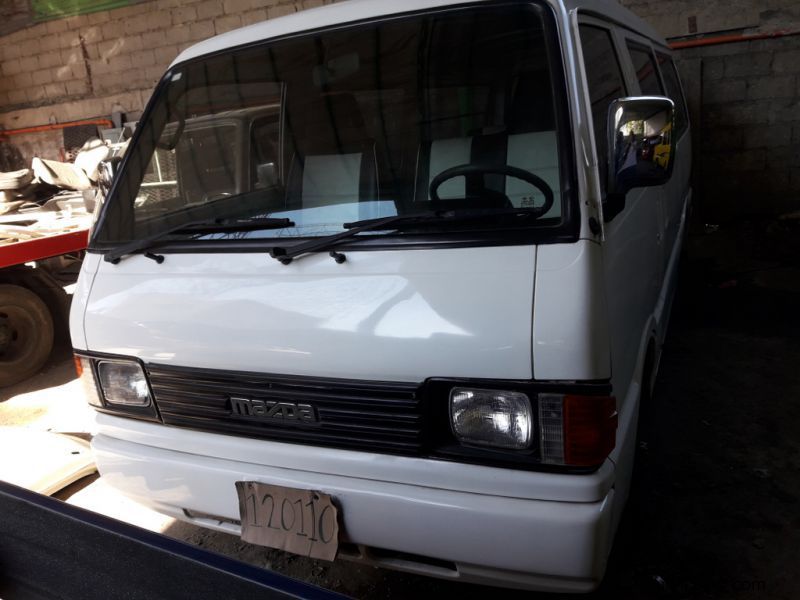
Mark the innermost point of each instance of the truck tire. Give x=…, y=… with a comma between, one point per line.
x=26, y=334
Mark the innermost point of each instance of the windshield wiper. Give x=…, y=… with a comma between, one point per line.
x=440, y=217
x=215, y=226
x=238, y=225
x=286, y=256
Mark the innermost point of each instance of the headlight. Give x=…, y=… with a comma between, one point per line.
x=491, y=418
x=123, y=383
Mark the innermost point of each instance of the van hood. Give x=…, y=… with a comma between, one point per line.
x=401, y=315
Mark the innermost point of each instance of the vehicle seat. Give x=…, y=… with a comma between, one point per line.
x=532, y=142
x=528, y=141
x=438, y=155
x=335, y=159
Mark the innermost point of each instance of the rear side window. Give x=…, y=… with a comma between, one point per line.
x=606, y=84
x=670, y=75
x=645, y=68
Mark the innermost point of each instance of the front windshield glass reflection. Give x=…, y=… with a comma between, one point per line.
x=350, y=124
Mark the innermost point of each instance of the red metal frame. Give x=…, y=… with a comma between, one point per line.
x=731, y=39
x=55, y=126
x=46, y=247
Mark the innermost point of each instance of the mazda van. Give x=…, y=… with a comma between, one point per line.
x=389, y=281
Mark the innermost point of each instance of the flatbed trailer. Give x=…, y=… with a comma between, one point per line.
x=50, y=549
x=49, y=246
x=36, y=251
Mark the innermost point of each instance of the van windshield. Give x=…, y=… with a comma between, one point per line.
x=447, y=110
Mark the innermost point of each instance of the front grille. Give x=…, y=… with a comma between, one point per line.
x=376, y=416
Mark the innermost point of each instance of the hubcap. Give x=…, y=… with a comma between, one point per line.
x=17, y=328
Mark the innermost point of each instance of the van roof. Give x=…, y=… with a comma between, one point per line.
x=356, y=10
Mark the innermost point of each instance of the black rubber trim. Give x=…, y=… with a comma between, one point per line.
x=425, y=241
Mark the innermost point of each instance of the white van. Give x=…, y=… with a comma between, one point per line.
x=388, y=281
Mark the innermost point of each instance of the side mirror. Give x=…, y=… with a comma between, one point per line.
x=107, y=170
x=641, y=148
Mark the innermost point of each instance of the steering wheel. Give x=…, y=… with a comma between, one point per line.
x=515, y=172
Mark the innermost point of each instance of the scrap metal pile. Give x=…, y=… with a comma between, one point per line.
x=15, y=190
x=51, y=197
x=45, y=217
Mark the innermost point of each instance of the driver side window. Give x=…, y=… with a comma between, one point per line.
x=606, y=84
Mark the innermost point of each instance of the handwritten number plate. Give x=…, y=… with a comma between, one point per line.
x=299, y=521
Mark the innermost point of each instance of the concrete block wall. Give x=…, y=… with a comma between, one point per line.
x=744, y=97
x=83, y=67
x=13, y=15
x=749, y=126
x=744, y=101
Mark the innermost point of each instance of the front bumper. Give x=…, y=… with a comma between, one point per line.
x=539, y=531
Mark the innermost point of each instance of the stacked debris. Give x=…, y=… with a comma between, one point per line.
x=52, y=185
x=80, y=175
x=15, y=180
x=16, y=189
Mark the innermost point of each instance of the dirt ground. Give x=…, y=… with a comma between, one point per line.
x=715, y=508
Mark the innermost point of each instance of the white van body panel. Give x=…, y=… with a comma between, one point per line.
x=384, y=315
x=547, y=544
x=633, y=277
x=570, y=331
x=439, y=474
x=80, y=297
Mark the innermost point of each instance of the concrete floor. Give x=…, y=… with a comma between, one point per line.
x=714, y=509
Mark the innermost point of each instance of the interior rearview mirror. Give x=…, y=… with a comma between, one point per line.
x=641, y=146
